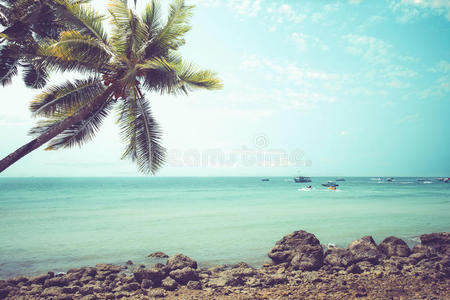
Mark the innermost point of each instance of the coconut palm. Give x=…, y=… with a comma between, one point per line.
x=24, y=24
x=139, y=55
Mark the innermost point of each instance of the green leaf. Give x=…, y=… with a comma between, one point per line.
x=66, y=98
x=142, y=135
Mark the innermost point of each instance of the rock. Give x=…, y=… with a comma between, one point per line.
x=147, y=283
x=338, y=257
x=183, y=276
x=216, y=269
x=243, y=272
x=194, y=285
x=130, y=287
x=70, y=289
x=180, y=261
x=438, y=241
x=56, y=281
x=157, y=293
x=225, y=279
x=169, y=284
x=302, y=246
x=354, y=269
x=393, y=246
x=108, y=268
x=39, y=279
x=240, y=265
x=17, y=280
x=4, y=293
x=276, y=279
x=364, y=249
x=51, y=292
x=129, y=263
x=154, y=274
x=158, y=254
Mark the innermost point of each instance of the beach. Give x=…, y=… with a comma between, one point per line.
x=299, y=269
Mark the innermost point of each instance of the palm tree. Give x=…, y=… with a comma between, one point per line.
x=24, y=24
x=141, y=53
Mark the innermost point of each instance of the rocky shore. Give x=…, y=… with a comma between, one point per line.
x=301, y=269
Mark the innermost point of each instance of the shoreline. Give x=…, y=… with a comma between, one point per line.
x=300, y=268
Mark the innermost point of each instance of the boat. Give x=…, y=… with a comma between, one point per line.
x=299, y=179
x=422, y=180
x=340, y=179
x=390, y=179
x=333, y=188
x=446, y=180
x=265, y=179
x=330, y=184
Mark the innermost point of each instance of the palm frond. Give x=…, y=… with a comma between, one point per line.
x=67, y=97
x=83, y=18
x=33, y=76
x=9, y=59
x=142, y=134
x=81, y=132
x=45, y=54
x=171, y=35
x=72, y=45
x=191, y=78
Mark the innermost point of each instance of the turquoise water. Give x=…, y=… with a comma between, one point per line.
x=59, y=223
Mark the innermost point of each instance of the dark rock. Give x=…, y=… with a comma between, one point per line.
x=70, y=289
x=108, y=268
x=147, y=283
x=364, y=249
x=87, y=289
x=17, y=280
x=130, y=287
x=39, y=279
x=158, y=254
x=194, y=285
x=240, y=265
x=393, y=246
x=129, y=263
x=302, y=246
x=338, y=257
x=180, y=261
x=354, y=269
x=438, y=241
x=56, y=281
x=169, y=284
x=3, y=293
x=154, y=274
x=183, y=276
x=276, y=279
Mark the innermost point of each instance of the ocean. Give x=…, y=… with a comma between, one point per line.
x=53, y=224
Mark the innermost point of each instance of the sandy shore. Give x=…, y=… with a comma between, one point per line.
x=301, y=269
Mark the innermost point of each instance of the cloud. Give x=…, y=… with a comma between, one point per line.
x=371, y=49
x=246, y=7
x=441, y=67
x=303, y=41
x=411, y=9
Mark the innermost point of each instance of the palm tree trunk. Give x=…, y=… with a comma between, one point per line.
x=54, y=131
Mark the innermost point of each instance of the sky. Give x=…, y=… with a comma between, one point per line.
x=317, y=88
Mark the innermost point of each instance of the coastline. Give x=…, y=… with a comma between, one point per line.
x=300, y=268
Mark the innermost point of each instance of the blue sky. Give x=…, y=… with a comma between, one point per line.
x=326, y=88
